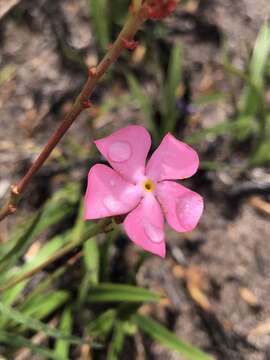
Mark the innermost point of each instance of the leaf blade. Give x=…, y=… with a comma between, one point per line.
x=119, y=293
x=168, y=339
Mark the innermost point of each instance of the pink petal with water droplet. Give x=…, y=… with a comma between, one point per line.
x=126, y=150
x=145, y=226
x=173, y=159
x=181, y=206
x=108, y=194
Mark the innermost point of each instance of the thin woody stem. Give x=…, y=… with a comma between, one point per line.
x=133, y=24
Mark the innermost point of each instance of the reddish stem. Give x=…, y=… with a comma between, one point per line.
x=134, y=22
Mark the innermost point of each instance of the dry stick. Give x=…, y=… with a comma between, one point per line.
x=6, y=6
x=133, y=24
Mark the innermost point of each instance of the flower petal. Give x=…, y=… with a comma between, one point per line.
x=182, y=207
x=173, y=159
x=109, y=194
x=145, y=226
x=126, y=150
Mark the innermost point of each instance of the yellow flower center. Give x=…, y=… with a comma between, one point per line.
x=149, y=185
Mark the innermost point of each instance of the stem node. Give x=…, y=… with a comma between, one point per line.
x=124, y=40
x=92, y=72
x=86, y=103
x=14, y=190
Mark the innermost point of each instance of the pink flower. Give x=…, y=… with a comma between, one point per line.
x=144, y=192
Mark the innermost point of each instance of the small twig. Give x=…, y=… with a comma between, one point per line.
x=260, y=204
x=6, y=6
x=137, y=17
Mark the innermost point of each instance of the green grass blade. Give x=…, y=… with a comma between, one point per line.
x=46, y=251
x=91, y=276
x=238, y=129
x=59, y=207
x=62, y=347
x=22, y=230
x=39, y=306
x=105, y=254
x=254, y=97
x=34, y=324
x=100, y=21
x=44, y=304
x=17, y=341
x=9, y=296
x=210, y=98
x=19, y=244
x=260, y=56
x=173, y=80
x=219, y=129
x=42, y=287
x=261, y=154
x=118, y=10
x=213, y=165
x=168, y=339
x=119, y=292
x=145, y=104
x=91, y=260
x=90, y=231
x=103, y=324
x=243, y=127
x=117, y=342
x=80, y=224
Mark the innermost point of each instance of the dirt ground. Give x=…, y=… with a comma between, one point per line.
x=217, y=277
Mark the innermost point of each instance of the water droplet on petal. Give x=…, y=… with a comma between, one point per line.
x=112, y=183
x=154, y=233
x=112, y=204
x=189, y=208
x=119, y=151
